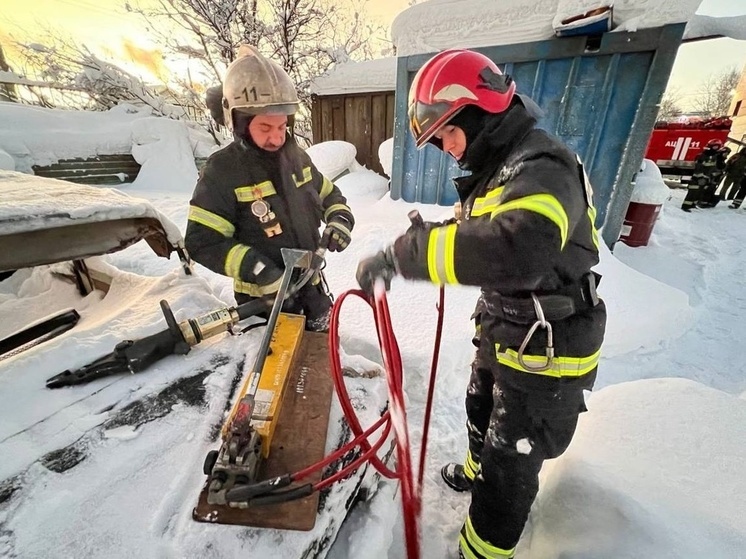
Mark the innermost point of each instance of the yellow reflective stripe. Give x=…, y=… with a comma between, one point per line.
x=248, y=193
x=485, y=549
x=306, y=177
x=465, y=549
x=543, y=204
x=441, y=247
x=594, y=231
x=234, y=259
x=471, y=466
x=326, y=188
x=339, y=227
x=211, y=220
x=255, y=290
x=561, y=366
x=335, y=208
x=488, y=203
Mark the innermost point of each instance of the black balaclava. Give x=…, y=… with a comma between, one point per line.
x=491, y=136
x=471, y=119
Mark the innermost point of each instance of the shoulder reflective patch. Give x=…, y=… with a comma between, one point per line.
x=305, y=178
x=487, y=203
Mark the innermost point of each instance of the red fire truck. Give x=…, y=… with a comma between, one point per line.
x=674, y=145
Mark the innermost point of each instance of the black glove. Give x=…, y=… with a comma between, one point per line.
x=339, y=233
x=267, y=276
x=381, y=265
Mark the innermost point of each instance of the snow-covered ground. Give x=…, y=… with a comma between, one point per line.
x=655, y=469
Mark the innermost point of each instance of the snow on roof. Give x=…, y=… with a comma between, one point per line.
x=439, y=24
x=358, y=77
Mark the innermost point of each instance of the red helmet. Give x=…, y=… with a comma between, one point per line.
x=447, y=83
x=715, y=144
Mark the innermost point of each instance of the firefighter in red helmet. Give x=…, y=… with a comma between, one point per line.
x=526, y=236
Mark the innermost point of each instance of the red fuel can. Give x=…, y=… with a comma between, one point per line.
x=638, y=223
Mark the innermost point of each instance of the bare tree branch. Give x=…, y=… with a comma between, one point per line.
x=669, y=107
x=716, y=92
x=306, y=37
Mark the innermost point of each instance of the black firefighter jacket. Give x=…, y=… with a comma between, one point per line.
x=709, y=167
x=527, y=227
x=225, y=236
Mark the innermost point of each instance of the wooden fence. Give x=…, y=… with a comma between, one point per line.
x=365, y=120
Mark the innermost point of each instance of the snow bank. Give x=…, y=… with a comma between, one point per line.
x=162, y=147
x=332, y=158
x=629, y=295
x=6, y=161
x=670, y=474
x=386, y=155
x=363, y=186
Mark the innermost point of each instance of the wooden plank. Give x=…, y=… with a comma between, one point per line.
x=299, y=441
x=377, y=128
x=338, y=118
x=357, y=126
x=327, y=124
x=390, y=110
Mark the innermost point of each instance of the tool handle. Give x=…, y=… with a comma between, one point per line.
x=416, y=219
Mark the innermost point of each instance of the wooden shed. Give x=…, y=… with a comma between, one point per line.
x=354, y=102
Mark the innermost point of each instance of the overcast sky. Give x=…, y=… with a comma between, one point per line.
x=106, y=29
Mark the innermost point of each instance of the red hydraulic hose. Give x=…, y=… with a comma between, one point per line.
x=396, y=415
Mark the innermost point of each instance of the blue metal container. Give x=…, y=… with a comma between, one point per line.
x=599, y=96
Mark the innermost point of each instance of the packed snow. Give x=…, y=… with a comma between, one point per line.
x=655, y=469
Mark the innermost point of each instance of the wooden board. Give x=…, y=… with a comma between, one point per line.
x=299, y=441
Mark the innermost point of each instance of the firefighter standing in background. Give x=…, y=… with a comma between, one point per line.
x=741, y=194
x=527, y=237
x=708, y=170
x=735, y=169
x=262, y=193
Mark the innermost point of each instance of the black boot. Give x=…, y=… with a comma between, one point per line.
x=453, y=475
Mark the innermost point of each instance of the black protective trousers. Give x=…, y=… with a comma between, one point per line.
x=518, y=419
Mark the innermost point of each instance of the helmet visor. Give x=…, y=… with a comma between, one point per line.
x=425, y=120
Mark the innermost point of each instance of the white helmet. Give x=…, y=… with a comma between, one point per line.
x=256, y=85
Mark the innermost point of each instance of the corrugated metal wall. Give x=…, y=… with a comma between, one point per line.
x=600, y=97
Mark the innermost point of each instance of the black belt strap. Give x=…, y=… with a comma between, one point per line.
x=556, y=306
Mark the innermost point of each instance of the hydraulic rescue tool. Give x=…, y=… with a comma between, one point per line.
x=233, y=469
x=133, y=356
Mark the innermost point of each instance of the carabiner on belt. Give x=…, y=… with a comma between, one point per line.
x=540, y=323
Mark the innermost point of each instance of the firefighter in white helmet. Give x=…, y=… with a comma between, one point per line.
x=262, y=193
